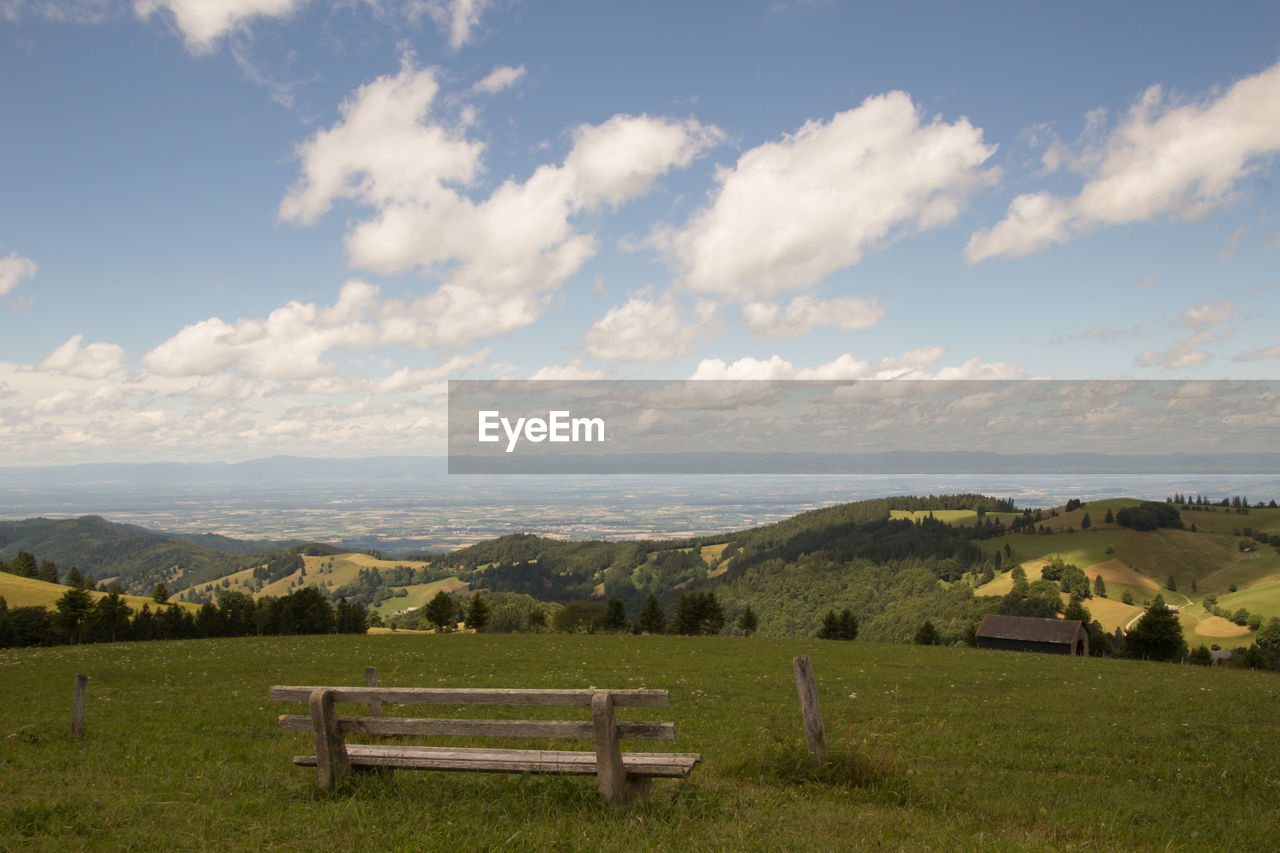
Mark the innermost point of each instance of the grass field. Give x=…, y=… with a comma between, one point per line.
x=948, y=516
x=946, y=748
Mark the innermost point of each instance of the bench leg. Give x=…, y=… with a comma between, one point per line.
x=611, y=778
x=331, y=750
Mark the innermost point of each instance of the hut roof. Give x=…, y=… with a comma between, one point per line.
x=1030, y=629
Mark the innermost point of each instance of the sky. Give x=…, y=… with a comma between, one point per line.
x=237, y=228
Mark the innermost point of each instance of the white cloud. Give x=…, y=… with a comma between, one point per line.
x=203, y=22
x=1232, y=245
x=288, y=344
x=96, y=361
x=65, y=11
x=572, y=370
x=1206, y=315
x=1182, y=354
x=804, y=313
x=621, y=158
x=646, y=330
x=909, y=365
x=502, y=77
x=429, y=379
x=383, y=151
x=499, y=257
x=1166, y=158
x=1259, y=354
x=13, y=269
x=789, y=213
x=458, y=18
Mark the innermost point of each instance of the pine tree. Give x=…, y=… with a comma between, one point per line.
x=441, y=610
x=747, y=622
x=74, y=608
x=652, y=620
x=160, y=594
x=1086, y=522
x=927, y=635
x=1157, y=634
x=1111, y=517
x=24, y=565
x=615, y=615
x=477, y=613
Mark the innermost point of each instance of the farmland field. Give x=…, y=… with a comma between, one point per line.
x=945, y=748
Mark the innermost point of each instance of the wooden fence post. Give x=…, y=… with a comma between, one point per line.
x=814, y=731
x=371, y=680
x=78, y=696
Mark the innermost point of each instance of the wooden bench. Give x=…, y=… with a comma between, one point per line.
x=620, y=775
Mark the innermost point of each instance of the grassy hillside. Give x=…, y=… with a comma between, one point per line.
x=25, y=592
x=950, y=749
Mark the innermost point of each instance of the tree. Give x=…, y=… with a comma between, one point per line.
x=652, y=620
x=111, y=617
x=440, y=611
x=1086, y=522
x=1171, y=584
x=698, y=613
x=24, y=565
x=477, y=612
x=353, y=617
x=48, y=571
x=1126, y=597
x=1157, y=634
x=74, y=578
x=160, y=594
x=927, y=635
x=1099, y=587
x=841, y=626
x=747, y=621
x=615, y=615
x=74, y=608
x=1201, y=656
x=1077, y=610
x=1111, y=517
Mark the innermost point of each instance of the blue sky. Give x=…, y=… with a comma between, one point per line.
x=234, y=228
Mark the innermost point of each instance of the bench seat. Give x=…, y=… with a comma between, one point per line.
x=665, y=765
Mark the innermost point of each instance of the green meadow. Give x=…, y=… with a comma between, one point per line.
x=933, y=748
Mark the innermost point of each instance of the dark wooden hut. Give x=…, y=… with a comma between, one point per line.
x=1029, y=634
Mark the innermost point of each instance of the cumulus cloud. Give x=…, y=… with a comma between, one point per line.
x=1184, y=353
x=1206, y=315
x=909, y=365
x=203, y=22
x=647, y=329
x=1259, y=354
x=790, y=212
x=499, y=257
x=805, y=313
x=502, y=77
x=1167, y=158
x=572, y=370
x=13, y=269
x=95, y=361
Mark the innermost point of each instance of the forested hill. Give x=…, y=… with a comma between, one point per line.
x=554, y=570
x=132, y=556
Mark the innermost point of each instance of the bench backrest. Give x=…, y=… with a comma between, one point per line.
x=375, y=724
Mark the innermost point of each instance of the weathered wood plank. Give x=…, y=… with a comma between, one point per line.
x=431, y=727
x=371, y=680
x=814, y=731
x=331, y=754
x=653, y=764
x=79, y=696
x=611, y=778
x=473, y=696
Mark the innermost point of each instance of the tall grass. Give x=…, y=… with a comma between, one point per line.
x=935, y=748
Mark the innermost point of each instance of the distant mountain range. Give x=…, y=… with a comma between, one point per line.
x=286, y=470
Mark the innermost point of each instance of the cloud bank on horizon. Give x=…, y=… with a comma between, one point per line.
x=244, y=227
